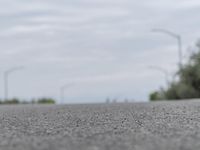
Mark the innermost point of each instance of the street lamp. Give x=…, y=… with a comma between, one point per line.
x=62, y=91
x=179, y=42
x=6, y=75
x=165, y=72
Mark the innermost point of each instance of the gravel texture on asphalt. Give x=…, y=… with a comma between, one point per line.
x=140, y=126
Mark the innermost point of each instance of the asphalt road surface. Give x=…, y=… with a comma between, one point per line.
x=142, y=126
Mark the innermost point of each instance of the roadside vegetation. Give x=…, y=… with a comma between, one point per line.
x=187, y=85
x=33, y=101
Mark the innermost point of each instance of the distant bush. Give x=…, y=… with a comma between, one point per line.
x=33, y=101
x=11, y=101
x=156, y=96
x=46, y=101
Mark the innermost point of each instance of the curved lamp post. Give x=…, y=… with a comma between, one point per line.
x=179, y=42
x=6, y=77
x=164, y=71
x=62, y=91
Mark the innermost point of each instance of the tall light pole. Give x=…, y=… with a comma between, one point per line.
x=6, y=76
x=165, y=72
x=179, y=43
x=62, y=91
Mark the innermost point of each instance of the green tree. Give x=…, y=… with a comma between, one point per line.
x=188, y=85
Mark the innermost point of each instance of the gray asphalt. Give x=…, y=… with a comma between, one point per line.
x=141, y=126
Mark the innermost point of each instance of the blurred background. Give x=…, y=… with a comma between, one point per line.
x=92, y=51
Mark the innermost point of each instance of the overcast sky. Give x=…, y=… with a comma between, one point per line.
x=102, y=47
